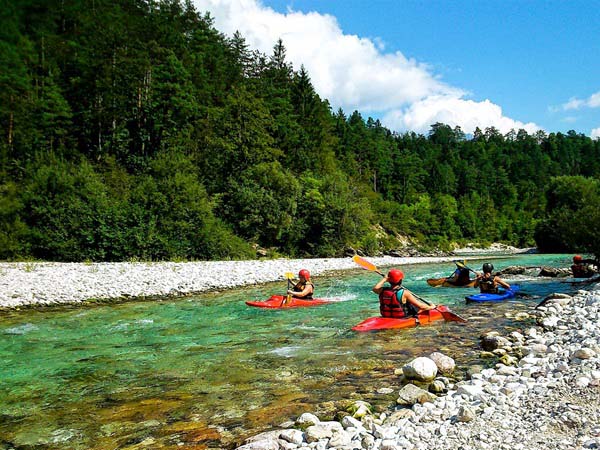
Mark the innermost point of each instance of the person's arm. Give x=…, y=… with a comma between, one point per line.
x=379, y=286
x=415, y=301
x=502, y=283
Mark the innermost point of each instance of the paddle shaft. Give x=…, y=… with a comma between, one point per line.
x=464, y=266
x=287, y=297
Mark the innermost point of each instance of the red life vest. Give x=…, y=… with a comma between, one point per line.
x=582, y=271
x=390, y=306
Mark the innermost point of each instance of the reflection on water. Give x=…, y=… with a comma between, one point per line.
x=209, y=370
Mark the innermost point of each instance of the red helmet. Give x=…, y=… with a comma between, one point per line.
x=577, y=258
x=395, y=276
x=304, y=274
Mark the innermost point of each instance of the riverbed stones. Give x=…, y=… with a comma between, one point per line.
x=385, y=390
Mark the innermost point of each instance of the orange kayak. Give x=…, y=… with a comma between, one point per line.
x=443, y=282
x=382, y=323
x=278, y=302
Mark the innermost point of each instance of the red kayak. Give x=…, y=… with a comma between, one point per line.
x=382, y=323
x=278, y=302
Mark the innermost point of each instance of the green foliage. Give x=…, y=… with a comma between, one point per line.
x=330, y=216
x=137, y=131
x=14, y=242
x=261, y=204
x=172, y=216
x=67, y=204
x=571, y=218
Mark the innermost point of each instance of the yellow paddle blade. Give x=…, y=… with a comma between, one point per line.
x=289, y=275
x=363, y=262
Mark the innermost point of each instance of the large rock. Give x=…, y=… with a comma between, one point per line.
x=492, y=341
x=445, y=364
x=420, y=369
x=293, y=436
x=584, y=353
x=359, y=409
x=513, y=270
x=262, y=441
x=322, y=430
x=261, y=445
x=340, y=439
x=554, y=272
x=465, y=414
x=411, y=394
x=307, y=419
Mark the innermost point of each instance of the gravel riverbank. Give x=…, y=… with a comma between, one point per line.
x=48, y=283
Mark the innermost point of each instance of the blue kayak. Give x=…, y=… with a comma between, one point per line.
x=504, y=294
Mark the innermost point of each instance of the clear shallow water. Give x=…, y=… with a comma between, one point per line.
x=207, y=371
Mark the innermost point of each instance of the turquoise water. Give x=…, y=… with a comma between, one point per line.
x=207, y=371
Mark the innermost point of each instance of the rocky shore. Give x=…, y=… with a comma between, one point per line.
x=45, y=283
x=543, y=393
x=49, y=283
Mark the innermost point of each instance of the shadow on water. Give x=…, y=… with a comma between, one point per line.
x=209, y=371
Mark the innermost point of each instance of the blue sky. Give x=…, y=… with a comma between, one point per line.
x=508, y=64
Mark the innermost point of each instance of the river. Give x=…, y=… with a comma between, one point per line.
x=208, y=371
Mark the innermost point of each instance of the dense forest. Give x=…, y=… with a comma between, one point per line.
x=133, y=129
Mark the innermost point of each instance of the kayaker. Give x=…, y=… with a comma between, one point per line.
x=395, y=301
x=581, y=267
x=461, y=275
x=304, y=288
x=487, y=282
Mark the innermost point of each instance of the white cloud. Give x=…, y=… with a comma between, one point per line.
x=593, y=101
x=454, y=111
x=595, y=134
x=354, y=73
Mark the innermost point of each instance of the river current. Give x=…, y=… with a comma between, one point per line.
x=208, y=371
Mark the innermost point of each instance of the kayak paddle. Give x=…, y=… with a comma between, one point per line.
x=366, y=264
x=462, y=265
x=449, y=316
x=288, y=297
